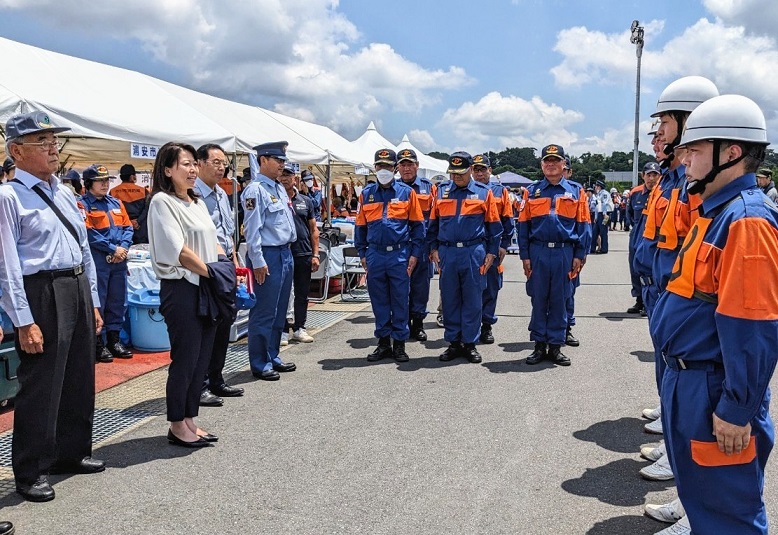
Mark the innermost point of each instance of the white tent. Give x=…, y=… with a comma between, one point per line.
x=428, y=166
x=368, y=143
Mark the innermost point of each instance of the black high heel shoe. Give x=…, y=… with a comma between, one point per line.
x=173, y=439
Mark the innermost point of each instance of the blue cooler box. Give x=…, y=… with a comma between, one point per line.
x=147, y=326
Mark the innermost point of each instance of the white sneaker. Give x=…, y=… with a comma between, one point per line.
x=659, y=471
x=666, y=512
x=682, y=527
x=439, y=320
x=653, y=453
x=655, y=427
x=284, y=339
x=301, y=336
x=653, y=414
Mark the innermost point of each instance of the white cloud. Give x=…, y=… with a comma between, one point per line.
x=615, y=139
x=304, y=56
x=423, y=140
x=496, y=122
x=759, y=16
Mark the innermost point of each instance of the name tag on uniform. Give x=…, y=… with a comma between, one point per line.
x=117, y=211
x=395, y=200
x=473, y=197
x=568, y=194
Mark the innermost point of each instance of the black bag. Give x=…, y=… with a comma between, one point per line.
x=333, y=234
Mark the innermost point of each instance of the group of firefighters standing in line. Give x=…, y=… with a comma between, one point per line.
x=703, y=255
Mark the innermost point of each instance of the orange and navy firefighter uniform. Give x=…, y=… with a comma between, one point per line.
x=133, y=197
x=422, y=274
x=553, y=229
x=389, y=230
x=464, y=227
x=638, y=199
x=576, y=281
x=494, y=276
x=717, y=329
x=108, y=226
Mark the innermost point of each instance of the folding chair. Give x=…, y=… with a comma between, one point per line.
x=353, y=285
x=321, y=276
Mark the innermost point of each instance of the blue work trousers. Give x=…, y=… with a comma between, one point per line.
x=600, y=229
x=570, y=302
x=549, y=288
x=268, y=317
x=720, y=494
x=461, y=291
x=420, y=287
x=493, y=287
x=389, y=286
x=112, y=291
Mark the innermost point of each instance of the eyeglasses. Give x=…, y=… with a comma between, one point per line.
x=45, y=145
x=218, y=163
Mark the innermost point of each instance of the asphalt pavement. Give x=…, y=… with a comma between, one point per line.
x=347, y=446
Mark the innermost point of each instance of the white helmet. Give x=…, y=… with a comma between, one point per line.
x=728, y=117
x=685, y=94
x=614, y=190
x=626, y=192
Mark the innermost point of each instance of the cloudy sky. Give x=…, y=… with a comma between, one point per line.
x=452, y=75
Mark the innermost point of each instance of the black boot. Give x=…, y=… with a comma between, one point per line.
x=486, y=334
x=571, y=340
x=398, y=351
x=455, y=349
x=101, y=352
x=636, y=308
x=557, y=357
x=384, y=350
x=539, y=354
x=417, y=330
x=116, y=347
x=472, y=353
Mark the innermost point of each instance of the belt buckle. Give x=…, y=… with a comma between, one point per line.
x=390, y=248
x=552, y=244
x=460, y=244
x=681, y=364
x=78, y=270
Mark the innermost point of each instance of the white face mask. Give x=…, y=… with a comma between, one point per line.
x=309, y=183
x=384, y=176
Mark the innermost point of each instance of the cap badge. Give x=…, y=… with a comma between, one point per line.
x=44, y=122
x=552, y=149
x=456, y=161
x=383, y=154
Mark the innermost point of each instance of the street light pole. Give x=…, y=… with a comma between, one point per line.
x=637, y=40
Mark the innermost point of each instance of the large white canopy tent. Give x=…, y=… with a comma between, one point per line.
x=428, y=166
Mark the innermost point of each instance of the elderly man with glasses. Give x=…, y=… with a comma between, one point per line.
x=49, y=287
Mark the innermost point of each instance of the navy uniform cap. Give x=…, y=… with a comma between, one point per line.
x=387, y=156
x=8, y=164
x=95, y=171
x=459, y=163
x=652, y=167
x=31, y=123
x=568, y=164
x=590, y=189
x=289, y=168
x=306, y=174
x=275, y=149
x=72, y=175
x=481, y=160
x=553, y=151
x=407, y=154
x=600, y=183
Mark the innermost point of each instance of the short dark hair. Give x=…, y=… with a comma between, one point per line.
x=754, y=154
x=168, y=157
x=202, y=152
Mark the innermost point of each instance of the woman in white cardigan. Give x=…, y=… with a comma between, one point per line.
x=182, y=240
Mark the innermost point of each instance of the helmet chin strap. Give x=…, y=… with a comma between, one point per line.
x=669, y=149
x=698, y=186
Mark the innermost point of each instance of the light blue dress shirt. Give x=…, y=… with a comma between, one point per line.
x=33, y=239
x=268, y=219
x=221, y=214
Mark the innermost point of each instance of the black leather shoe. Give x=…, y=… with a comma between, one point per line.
x=226, y=391
x=417, y=330
x=398, y=351
x=486, y=334
x=538, y=355
x=455, y=349
x=270, y=375
x=6, y=528
x=556, y=356
x=285, y=367
x=383, y=351
x=571, y=340
x=101, y=352
x=40, y=491
x=87, y=465
x=636, y=308
x=643, y=313
x=115, y=346
x=209, y=437
x=199, y=443
x=472, y=353
x=207, y=399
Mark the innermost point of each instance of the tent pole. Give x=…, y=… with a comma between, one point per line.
x=328, y=174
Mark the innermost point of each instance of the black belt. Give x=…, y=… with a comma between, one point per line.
x=704, y=365
x=284, y=246
x=645, y=280
x=551, y=244
x=463, y=243
x=57, y=273
x=388, y=247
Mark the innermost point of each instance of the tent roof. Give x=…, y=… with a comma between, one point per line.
x=509, y=177
x=428, y=166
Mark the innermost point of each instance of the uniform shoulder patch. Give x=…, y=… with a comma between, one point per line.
x=251, y=203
